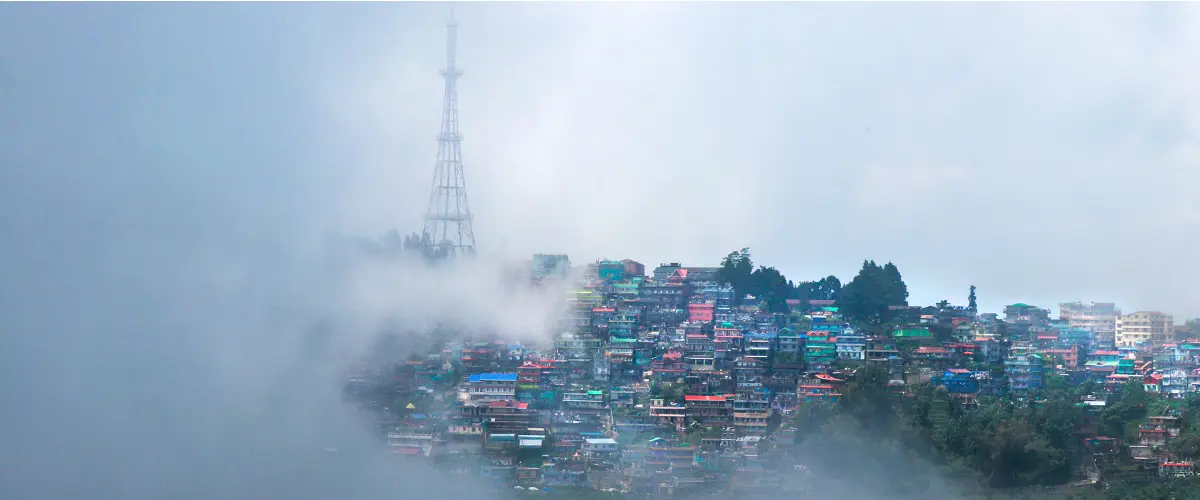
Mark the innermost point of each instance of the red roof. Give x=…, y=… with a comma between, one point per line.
x=931, y=350
x=817, y=386
x=828, y=378
x=703, y=398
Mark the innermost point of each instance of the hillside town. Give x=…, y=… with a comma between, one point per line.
x=674, y=381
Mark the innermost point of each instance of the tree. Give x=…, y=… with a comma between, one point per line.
x=1124, y=409
x=868, y=296
x=772, y=287
x=736, y=270
x=1191, y=328
x=894, y=288
x=827, y=288
x=972, y=305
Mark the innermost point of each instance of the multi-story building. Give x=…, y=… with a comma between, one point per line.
x=760, y=345
x=721, y=296
x=551, y=266
x=791, y=342
x=1025, y=314
x=1024, y=372
x=588, y=400
x=1100, y=318
x=532, y=377
x=752, y=411
x=851, y=346
x=492, y=386
x=960, y=381
x=709, y=410
x=623, y=324
x=610, y=270
x=1145, y=328
x=668, y=413
x=633, y=268
x=810, y=390
x=701, y=312
x=508, y=417
x=665, y=301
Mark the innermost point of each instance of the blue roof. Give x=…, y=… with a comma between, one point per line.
x=494, y=377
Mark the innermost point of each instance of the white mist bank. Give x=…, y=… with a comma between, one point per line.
x=212, y=377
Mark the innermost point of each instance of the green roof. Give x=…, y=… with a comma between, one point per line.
x=913, y=332
x=595, y=393
x=1019, y=304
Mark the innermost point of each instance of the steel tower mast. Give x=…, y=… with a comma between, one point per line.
x=448, y=218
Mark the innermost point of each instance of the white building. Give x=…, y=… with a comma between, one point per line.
x=492, y=386
x=1145, y=328
x=599, y=448
x=1100, y=318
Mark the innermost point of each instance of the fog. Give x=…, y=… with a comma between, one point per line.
x=175, y=313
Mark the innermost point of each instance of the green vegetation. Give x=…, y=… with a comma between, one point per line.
x=1001, y=448
x=866, y=298
x=770, y=285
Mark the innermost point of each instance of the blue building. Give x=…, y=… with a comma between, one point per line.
x=958, y=381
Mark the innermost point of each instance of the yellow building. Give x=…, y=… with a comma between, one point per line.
x=1145, y=328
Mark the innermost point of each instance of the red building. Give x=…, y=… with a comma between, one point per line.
x=701, y=313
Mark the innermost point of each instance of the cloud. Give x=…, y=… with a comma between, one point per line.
x=168, y=173
x=673, y=132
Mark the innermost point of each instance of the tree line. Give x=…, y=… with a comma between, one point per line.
x=865, y=299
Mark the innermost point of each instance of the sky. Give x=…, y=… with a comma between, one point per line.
x=171, y=175
x=1043, y=153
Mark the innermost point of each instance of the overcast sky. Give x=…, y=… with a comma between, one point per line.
x=1041, y=152
x=168, y=174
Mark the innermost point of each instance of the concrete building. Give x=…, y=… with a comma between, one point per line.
x=492, y=386
x=1025, y=314
x=550, y=266
x=1145, y=328
x=1100, y=318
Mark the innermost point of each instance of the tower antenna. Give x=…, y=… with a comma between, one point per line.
x=448, y=217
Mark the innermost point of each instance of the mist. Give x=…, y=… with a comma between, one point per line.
x=176, y=311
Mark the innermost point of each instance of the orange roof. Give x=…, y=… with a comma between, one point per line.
x=692, y=397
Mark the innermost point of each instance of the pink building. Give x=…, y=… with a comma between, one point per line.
x=700, y=313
